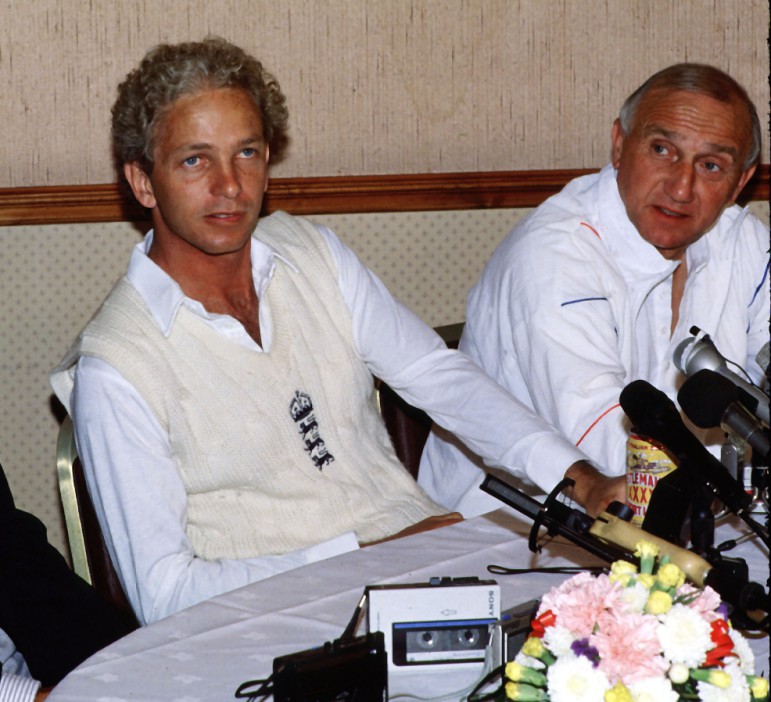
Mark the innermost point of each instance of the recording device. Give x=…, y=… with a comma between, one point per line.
x=345, y=670
x=711, y=400
x=443, y=623
x=509, y=633
x=655, y=415
x=699, y=353
x=612, y=537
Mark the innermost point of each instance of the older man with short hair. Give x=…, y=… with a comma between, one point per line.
x=598, y=286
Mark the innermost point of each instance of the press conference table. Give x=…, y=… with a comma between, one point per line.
x=204, y=653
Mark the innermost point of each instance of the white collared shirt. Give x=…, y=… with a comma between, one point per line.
x=145, y=513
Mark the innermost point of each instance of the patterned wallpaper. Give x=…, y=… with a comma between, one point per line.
x=373, y=86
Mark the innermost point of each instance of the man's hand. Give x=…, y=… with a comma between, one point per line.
x=426, y=525
x=593, y=490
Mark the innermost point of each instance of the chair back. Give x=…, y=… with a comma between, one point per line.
x=90, y=557
x=407, y=425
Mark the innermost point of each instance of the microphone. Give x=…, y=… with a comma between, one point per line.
x=699, y=353
x=653, y=414
x=612, y=537
x=763, y=359
x=711, y=400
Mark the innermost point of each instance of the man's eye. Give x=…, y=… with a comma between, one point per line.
x=659, y=149
x=712, y=167
x=192, y=161
x=249, y=153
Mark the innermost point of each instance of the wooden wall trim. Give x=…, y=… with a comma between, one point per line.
x=74, y=204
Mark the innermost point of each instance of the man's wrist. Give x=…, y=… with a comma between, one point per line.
x=584, y=476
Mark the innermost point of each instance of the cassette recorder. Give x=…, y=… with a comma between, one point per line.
x=444, y=622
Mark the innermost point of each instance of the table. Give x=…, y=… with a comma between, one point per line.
x=204, y=653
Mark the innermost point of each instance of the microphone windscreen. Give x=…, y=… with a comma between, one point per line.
x=646, y=405
x=705, y=397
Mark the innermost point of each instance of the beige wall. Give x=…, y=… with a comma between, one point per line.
x=375, y=86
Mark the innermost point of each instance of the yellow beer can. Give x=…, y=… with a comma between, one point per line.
x=646, y=462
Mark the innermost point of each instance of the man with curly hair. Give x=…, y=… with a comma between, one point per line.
x=223, y=394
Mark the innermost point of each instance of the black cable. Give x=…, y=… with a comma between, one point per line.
x=502, y=570
x=476, y=696
x=264, y=690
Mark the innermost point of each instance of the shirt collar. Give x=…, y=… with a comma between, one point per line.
x=162, y=294
x=624, y=242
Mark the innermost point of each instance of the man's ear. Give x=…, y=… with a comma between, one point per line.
x=140, y=184
x=617, y=137
x=743, y=178
x=267, y=165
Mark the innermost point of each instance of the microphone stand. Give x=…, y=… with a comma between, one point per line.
x=612, y=537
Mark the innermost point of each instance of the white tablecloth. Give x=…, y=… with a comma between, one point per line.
x=203, y=653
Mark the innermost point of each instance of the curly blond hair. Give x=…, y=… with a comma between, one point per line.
x=169, y=71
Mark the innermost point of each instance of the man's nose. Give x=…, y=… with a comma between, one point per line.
x=680, y=183
x=226, y=181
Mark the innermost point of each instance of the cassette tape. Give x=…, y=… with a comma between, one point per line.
x=444, y=622
x=419, y=643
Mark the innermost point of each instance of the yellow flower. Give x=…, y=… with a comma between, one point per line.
x=659, y=602
x=713, y=676
x=670, y=575
x=622, y=571
x=524, y=693
x=645, y=549
x=646, y=552
x=533, y=646
x=618, y=693
x=521, y=673
x=646, y=579
x=719, y=678
x=758, y=687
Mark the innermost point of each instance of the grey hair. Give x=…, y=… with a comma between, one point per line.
x=702, y=79
x=169, y=71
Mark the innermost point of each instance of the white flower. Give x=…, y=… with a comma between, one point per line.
x=573, y=679
x=635, y=597
x=529, y=661
x=653, y=690
x=737, y=691
x=743, y=650
x=558, y=639
x=679, y=673
x=684, y=636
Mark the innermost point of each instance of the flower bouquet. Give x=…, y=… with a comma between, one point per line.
x=631, y=636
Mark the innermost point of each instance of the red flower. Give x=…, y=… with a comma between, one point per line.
x=539, y=624
x=724, y=646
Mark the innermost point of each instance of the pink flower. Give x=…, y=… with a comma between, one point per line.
x=579, y=602
x=629, y=647
x=705, y=603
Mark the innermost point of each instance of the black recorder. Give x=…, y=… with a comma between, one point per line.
x=442, y=623
x=345, y=670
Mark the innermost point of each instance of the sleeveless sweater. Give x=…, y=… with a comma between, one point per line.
x=277, y=450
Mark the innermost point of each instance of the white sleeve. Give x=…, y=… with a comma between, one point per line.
x=141, y=503
x=16, y=688
x=758, y=307
x=406, y=353
x=560, y=343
